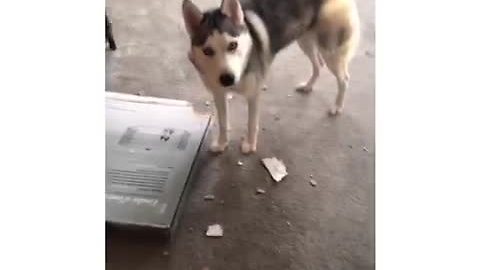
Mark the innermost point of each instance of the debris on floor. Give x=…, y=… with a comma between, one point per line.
x=365, y=149
x=350, y=146
x=289, y=95
x=288, y=223
x=229, y=96
x=275, y=167
x=277, y=118
x=209, y=197
x=215, y=230
x=311, y=175
x=207, y=103
x=239, y=163
x=140, y=93
x=260, y=191
x=313, y=183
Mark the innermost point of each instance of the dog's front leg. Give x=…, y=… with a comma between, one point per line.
x=249, y=144
x=220, y=143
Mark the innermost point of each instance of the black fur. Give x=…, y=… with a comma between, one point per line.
x=215, y=20
x=285, y=20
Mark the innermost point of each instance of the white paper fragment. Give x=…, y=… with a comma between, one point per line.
x=229, y=96
x=240, y=163
x=289, y=95
x=207, y=103
x=313, y=183
x=215, y=230
x=276, y=168
x=209, y=197
x=365, y=149
x=260, y=191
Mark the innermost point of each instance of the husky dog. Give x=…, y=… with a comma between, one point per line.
x=233, y=46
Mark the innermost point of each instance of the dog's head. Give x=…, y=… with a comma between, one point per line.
x=220, y=40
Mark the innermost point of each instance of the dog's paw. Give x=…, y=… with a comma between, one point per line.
x=247, y=148
x=217, y=147
x=335, y=110
x=304, y=88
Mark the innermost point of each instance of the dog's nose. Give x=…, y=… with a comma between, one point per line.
x=227, y=79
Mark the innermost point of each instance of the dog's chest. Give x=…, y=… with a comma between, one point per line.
x=247, y=86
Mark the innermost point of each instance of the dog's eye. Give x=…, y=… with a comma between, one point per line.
x=208, y=51
x=232, y=46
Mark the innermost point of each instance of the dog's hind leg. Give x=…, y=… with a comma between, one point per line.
x=338, y=65
x=309, y=46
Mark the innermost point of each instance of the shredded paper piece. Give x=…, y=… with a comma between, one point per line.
x=260, y=191
x=276, y=168
x=215, y=230
x=209, y=197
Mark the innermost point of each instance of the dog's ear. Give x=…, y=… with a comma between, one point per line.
x=233, y=10
x=192, y=16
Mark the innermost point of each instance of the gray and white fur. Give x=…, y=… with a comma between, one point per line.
x=233, y=46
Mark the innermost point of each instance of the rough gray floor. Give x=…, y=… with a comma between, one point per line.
x=293, y=225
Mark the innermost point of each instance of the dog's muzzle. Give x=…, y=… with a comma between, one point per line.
x=227, y=79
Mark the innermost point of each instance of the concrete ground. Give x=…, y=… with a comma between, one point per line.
x=293, y=225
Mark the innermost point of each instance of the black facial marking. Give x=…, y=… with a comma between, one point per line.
x=215, y=20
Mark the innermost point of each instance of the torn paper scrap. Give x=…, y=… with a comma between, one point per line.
x=215, y=230
x=209, y=197
x=260, y=191
x=276, y=168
